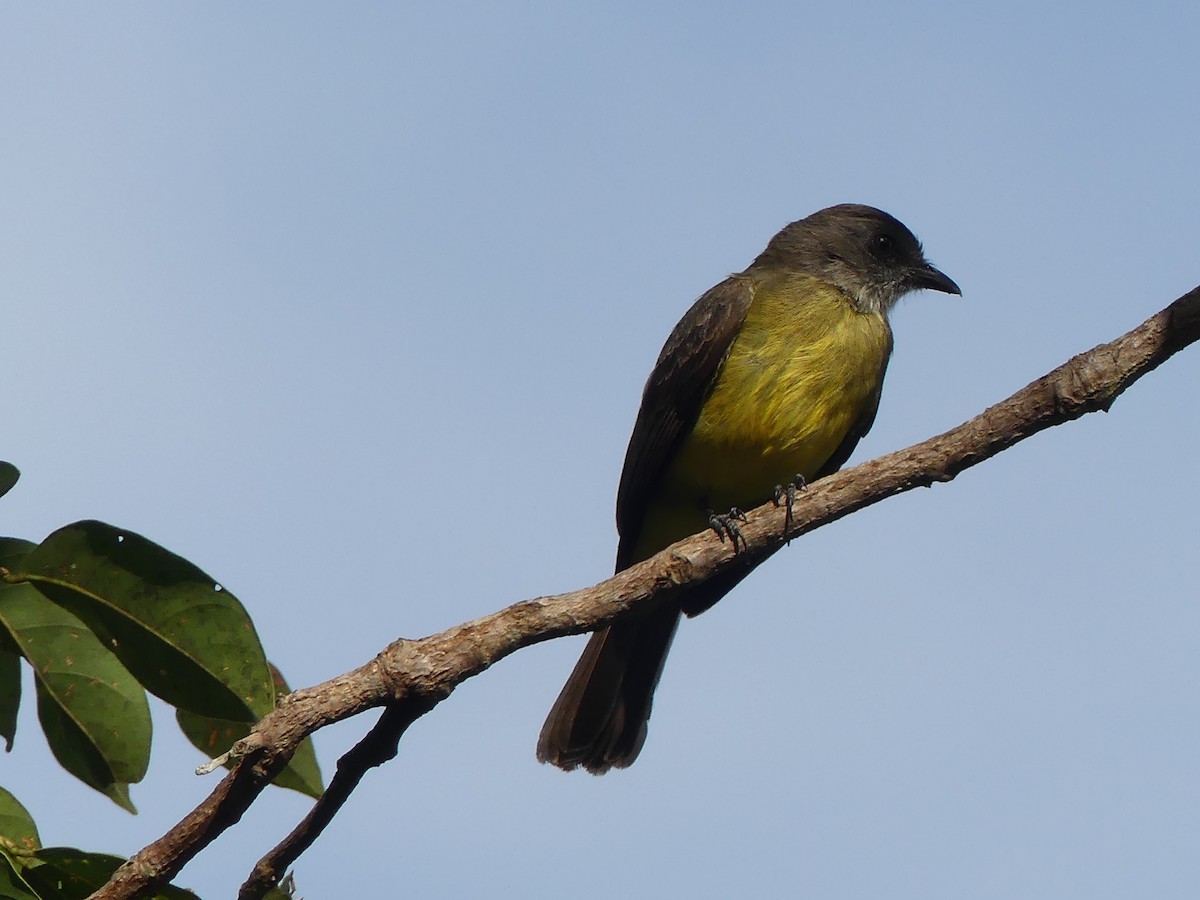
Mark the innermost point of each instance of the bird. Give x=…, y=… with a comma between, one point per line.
x=772, y=376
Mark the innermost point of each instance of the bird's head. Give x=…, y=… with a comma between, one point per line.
x=871, y=256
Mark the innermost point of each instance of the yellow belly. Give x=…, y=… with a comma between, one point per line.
x=802, y=371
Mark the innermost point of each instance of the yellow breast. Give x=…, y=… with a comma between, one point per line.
x=802, y=371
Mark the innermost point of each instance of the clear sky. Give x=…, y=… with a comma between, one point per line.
x=351, y=304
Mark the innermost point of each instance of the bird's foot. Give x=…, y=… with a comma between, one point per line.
x=726, y=524
x=785, y=495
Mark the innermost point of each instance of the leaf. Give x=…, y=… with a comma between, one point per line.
x=70, y=874
x=184, y=637
x=12, y=885
x=90, y=751
x=16, y=825
x=303, y=773
x=212, y=737
x=285, y=890
x=93, y=711
x=12, y=555
x=10, y=696
x=8, y=477
x=12, y=551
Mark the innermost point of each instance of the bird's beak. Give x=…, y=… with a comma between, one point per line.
x=932, y=279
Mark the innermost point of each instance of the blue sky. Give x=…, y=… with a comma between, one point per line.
x=352, y=306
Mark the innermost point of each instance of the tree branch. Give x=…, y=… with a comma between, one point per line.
x=413, y=676
x=380, y=745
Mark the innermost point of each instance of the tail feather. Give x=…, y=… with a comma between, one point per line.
x=600, y=718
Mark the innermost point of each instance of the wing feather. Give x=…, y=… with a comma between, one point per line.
x=682, y=378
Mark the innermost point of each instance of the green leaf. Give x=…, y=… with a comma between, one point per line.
x=10, y=695
x=93, y=754
x=16, y=825
x=12, y=551
x=285, y=890
x=12, y=885
x=183, y=636
x=303, y=773
x=93, y=711
x=8, y=477
x=70, y=874
x=12, y=555
x=212, y=737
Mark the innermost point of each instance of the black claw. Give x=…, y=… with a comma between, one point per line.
x=725, y=524
x=786, y=495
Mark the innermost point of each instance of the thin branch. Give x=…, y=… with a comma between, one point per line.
x=413, y=676
x=380, y=745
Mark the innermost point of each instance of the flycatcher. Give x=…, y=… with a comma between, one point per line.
x=772, y=375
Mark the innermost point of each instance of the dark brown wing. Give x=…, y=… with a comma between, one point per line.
x=675, y=391
x=862, y=426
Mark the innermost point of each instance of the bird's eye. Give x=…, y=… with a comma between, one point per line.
x=883, y=245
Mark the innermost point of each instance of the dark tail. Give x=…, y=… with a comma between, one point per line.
x=599, y=720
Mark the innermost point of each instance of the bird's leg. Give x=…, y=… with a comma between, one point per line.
x=786, y=496
x=726, y=524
